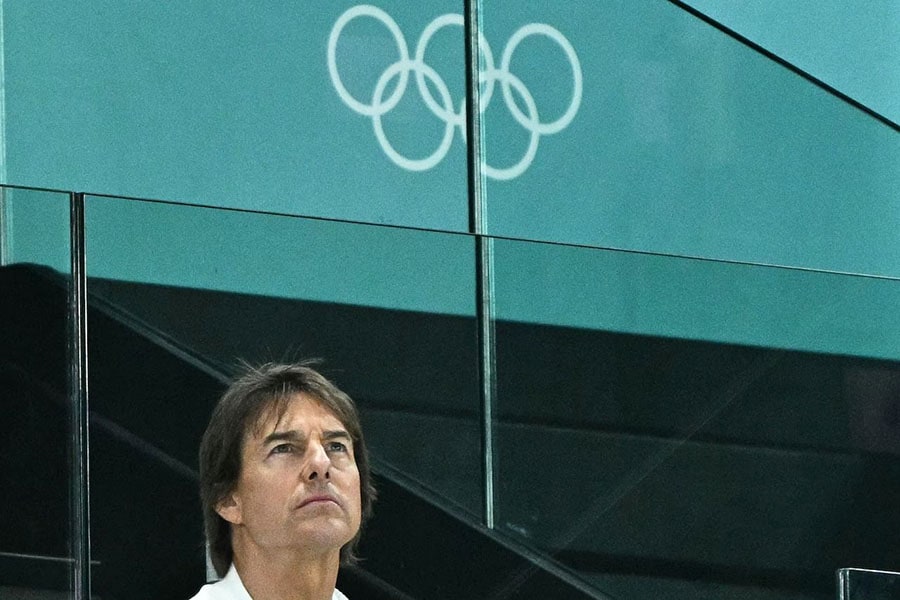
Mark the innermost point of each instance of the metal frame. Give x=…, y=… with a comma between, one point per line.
x=80, y=533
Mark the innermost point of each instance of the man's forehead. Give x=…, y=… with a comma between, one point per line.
x=275, y=413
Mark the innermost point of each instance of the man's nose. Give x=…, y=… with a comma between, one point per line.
x=319, y=463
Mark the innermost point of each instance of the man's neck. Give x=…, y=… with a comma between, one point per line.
x=287, y=576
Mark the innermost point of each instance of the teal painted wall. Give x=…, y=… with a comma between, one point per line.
x=228, y=105
x=851, y=47
x=636, y=126
x=688, y=142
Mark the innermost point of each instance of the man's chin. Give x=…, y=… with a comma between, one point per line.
x=326, y=534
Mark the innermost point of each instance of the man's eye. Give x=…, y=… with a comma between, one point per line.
x=336, y=447
x=283, y=448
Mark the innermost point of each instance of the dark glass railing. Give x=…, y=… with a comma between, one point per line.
x=661, y=425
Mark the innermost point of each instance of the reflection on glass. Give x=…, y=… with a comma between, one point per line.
x=179, y=294
x=673, y=427
x=34, y=390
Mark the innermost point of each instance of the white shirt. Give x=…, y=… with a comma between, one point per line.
x=232, y=588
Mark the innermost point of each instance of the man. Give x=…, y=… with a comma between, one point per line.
x=285, y=486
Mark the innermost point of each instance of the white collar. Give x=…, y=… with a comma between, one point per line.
x=235, y=587
x=233, y=584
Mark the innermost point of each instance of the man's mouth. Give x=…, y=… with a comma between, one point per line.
x=318, y=499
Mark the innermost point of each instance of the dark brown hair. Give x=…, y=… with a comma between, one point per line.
x=257, y=392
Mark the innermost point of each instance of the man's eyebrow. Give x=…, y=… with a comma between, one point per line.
x=294, y=435
x=291, y=435
x=335, y=434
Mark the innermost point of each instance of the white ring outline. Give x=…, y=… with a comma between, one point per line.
x=436, y=25
x=506, y=80
x=438, y=155
x=366, y=10
x=487, y=76
x=554, y=34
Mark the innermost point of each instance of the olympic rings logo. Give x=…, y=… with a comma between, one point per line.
x=443, y=108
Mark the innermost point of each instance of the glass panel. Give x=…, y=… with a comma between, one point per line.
x=860, y=584
x=180, y=293
x=639, y=126
x=244, y=114
x=685, y=428
x=35, y=431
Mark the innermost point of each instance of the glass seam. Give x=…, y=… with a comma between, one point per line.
x=483, y=252
x=6, y=228
x=78, y=395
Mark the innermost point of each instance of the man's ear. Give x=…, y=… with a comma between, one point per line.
x=229, y=508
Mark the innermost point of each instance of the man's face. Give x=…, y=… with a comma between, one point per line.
x=299, y=484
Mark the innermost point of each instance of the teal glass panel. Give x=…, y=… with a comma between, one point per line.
x=267, y=107
x=696, y=299
x=35, y=430
x=643, y=127
x=35, y=228
x=180, y=293
x=671, y=427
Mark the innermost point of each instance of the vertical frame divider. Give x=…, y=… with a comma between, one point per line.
x=80, y=539
x=484, y=276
